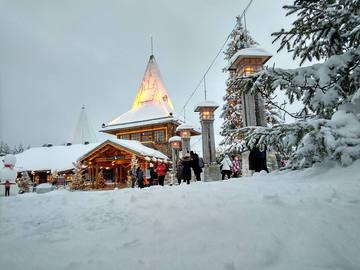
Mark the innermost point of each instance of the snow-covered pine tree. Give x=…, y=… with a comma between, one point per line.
x=239, y=39
x=4, y=149
x=78, y=183
x=100, y=180
x=24, y=182
x=328, y=123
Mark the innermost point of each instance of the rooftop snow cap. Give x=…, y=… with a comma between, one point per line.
x=152, y=100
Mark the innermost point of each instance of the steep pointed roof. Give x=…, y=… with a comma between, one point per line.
x=152, y=103
x=83, y=131
x=152, y=89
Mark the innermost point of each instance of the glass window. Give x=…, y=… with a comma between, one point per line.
x=136, y=136
x=125, y=137
x=159, y=135
x=147, y=136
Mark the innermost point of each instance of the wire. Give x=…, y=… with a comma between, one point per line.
x=212, y=63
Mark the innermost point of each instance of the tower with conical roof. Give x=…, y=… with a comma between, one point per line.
x=151, y=118
x=83, y=132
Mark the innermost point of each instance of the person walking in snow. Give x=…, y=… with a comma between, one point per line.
x=226, y=167
x=161, y=170
x=195, y=165
x=235, y=168
x=140, y=177
x=186, y=172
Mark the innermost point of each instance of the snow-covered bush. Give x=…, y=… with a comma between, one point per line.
x=327, y=125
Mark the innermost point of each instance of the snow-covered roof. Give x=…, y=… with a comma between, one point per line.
x=186, y=126
x=256, y=52
x=152, y=102
x=147, y=114
x=130, y=145
x=61, y=157
x=209, y=104
x=175, y=139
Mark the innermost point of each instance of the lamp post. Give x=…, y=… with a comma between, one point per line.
x=244, y=63
x=175, y=143
x=186, y=131
x=206, y=111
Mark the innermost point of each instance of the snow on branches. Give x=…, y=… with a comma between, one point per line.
x=239, y=39
x=327, y=125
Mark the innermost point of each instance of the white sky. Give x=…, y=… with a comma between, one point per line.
x=57, y=55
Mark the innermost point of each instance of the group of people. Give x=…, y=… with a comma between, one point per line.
x=190, y=161
x=230, y=167
x=145, y=177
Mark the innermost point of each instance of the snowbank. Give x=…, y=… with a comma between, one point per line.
x=288, y=220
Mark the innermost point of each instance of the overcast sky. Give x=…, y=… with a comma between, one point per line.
x=57, y=55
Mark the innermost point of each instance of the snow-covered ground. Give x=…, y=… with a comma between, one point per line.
x=288, y=220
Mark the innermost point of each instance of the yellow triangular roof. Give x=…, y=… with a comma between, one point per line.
x=152, y=89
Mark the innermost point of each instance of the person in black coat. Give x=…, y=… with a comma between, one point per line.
x=195, y=165
x=257, y=160
x=140, y=177
x=186, y=172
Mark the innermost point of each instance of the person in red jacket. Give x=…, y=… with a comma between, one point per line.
x=161, y=172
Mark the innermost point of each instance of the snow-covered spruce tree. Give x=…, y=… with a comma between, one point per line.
x=24, y=182
x=327, y=125
x=78, y=183
x=239, y=39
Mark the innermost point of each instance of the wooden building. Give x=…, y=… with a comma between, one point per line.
x=151, y=118
x=115, y=157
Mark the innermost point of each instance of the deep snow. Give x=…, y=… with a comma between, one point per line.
x=289, y=220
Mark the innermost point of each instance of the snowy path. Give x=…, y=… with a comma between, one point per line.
x=295, y=220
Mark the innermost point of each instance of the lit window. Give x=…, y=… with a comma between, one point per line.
x=136, y=136
x=159, y=135
x=147, y=136
x=248, y=70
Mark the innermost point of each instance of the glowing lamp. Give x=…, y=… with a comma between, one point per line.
x=175, y=142
x=186, y=131
x=206, y=110
x=248, y=61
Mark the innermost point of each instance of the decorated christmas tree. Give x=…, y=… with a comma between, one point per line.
x=24, y=183
x=327, y=124
x=100, y=180
x=78, y=183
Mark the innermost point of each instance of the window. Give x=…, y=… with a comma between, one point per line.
x=125, y=137
x=147, y=136
x=159, y=135
x=136, y=136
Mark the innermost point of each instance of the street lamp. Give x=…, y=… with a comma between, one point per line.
x=186, y=131
x=206, y=111
x=244, y=63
